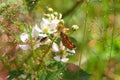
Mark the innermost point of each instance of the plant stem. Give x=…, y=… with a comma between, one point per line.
x=46, y=52
x=84, y=34
x=113, y=29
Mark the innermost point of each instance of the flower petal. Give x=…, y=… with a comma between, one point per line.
x=44, y=23
x=24, y=47
x=57, y=58
x=53, y=25
x=35, y=31
x=55, y=47
x=24, y=37
x=43, y=35
x=62, y=47
x=64, y=59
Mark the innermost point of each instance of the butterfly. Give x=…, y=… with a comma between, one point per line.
x=66, y=41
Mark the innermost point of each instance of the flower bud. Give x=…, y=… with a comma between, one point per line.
x=56, y=13
x=47, y=16
x=50, y=9
x=61, y=21
x=75, y=27
x=60, y=16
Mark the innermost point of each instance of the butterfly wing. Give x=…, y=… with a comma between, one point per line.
x=66, y=41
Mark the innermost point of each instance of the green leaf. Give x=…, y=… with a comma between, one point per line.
x=73, y=40
x=15, y=73
x=58, y=41
x=73, y=73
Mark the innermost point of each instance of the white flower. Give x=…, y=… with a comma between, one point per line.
x=49, y=26
x=24, y=47
x=35, y=34
x=56, y=48
x=24, y=37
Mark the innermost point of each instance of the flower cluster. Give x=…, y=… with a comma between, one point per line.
x=40, y=35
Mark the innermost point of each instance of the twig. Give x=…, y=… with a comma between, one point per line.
x=73, y=8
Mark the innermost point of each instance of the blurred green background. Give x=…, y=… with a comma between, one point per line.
x=98, y=36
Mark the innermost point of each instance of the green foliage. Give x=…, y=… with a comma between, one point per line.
x=52, y=76
x=77, y=75
x=73, y=40
x=15, y=73
x=3, y=6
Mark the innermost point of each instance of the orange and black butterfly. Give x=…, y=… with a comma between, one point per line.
x=66, y=41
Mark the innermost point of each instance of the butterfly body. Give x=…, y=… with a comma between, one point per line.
x=43, y=39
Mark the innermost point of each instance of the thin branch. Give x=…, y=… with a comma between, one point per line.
x=79, y=2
